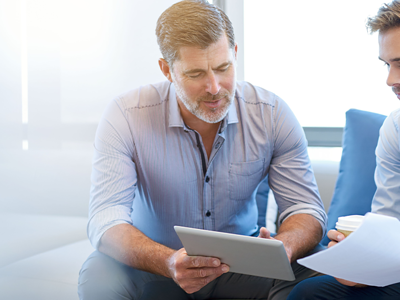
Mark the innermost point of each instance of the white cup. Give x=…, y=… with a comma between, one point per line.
x=348, y=224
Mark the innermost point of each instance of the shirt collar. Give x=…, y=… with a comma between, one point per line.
x=175, y=118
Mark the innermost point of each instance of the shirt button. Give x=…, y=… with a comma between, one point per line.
x=207, y=179
x=208, y=213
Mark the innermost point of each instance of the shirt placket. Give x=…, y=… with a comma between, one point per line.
x=208, y=186
x=208, y=179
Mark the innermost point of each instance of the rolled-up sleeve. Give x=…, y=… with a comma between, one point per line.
x=114, y=178
x=291, y=176
x=387, y=172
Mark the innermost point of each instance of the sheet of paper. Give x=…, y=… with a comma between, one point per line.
x=370, y=255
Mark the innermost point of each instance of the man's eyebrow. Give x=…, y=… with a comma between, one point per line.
x=391, y=60
x=223, y=65
x=192, y=71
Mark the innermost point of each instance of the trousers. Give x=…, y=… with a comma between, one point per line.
x=103, y=277
x=328, y=288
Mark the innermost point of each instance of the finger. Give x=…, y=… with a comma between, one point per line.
x=346, y=282
x=201, y=262
x=220, y=270
x=331, y=244
x=340, y=237
x=192, y=285
x=335, y=235
x=264, y=233
x=206, y=272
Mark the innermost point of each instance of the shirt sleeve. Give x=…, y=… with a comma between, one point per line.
x=291, y=176
x=114, y=178
x=387, y=172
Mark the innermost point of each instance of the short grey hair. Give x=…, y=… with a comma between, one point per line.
x=191, y=23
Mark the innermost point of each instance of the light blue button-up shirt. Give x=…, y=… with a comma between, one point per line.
x=150, y=170
x=387, y=173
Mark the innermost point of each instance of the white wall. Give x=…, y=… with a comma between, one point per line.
x=61, y=63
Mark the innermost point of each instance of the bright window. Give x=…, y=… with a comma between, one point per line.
x=317, y=56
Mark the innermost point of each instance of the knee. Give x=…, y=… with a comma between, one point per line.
x=101, y=277
x=299, y=292
x=307, y=289
x=320, y=287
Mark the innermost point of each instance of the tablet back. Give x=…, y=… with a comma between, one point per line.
x=244, y=254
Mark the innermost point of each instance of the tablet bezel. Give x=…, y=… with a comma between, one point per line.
x=244, y=254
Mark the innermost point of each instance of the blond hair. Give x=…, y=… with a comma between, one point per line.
x=191, y=23
x=387, y=17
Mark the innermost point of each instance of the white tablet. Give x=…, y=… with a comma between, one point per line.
x=244, y=254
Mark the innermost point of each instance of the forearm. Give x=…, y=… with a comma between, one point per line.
x=300, y=234
x=130, y=246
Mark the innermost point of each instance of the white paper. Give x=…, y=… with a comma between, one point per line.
x=370, y=255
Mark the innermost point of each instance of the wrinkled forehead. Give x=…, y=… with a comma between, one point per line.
x=215, y=54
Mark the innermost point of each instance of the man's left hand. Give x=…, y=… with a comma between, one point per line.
x=336, y=237
x=266, y=234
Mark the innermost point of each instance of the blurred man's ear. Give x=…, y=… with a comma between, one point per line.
x=165, y=69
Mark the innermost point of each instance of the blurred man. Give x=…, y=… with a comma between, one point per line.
x=387, y=174
x=192, y=151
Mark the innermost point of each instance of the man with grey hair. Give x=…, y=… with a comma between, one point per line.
x=387, y=173
x=192, y=151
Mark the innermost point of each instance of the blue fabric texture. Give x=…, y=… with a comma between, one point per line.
x=355, y=186
x=262, y=202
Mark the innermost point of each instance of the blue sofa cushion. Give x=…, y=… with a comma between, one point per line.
x=355, y=185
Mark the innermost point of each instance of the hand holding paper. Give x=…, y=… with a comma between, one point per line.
x=370, y=255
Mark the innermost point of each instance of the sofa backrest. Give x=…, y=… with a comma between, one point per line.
x=355, y=186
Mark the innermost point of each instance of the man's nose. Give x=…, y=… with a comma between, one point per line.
x=213, y=86
x=393, y=77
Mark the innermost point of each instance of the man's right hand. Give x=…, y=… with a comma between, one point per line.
x=192, y=273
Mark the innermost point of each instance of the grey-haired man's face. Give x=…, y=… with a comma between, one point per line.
x=205, y=80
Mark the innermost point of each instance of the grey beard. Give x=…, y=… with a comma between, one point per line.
x=194, y=108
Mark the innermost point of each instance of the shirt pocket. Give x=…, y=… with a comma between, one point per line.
x=244, y=178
